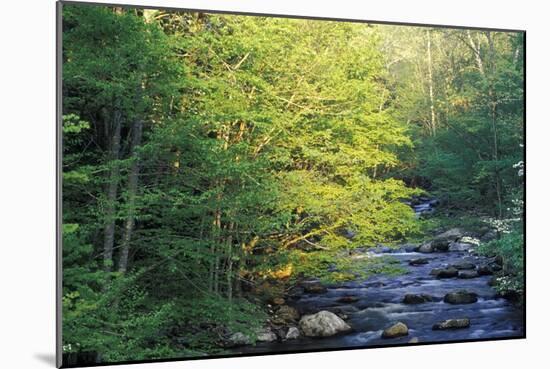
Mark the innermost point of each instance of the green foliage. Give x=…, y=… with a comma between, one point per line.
x=263, y=143
x=469, y=146
x=510, y=247
x=340, y=267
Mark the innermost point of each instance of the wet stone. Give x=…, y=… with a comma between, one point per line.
x=417, y=298
x=399, y=329
x=460, y=297
x=419, y=261
x=452, y=324
x=467, y=274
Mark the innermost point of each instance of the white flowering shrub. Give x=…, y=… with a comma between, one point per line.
x=520, y=166
x=511, y=248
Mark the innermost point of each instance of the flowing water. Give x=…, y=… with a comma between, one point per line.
x=380, y=304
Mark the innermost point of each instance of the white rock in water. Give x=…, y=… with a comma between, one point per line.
x=239, y=339
x=322, y=324
x=292, y=333
x=266, y=336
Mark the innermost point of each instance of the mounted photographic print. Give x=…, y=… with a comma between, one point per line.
x=250, y=184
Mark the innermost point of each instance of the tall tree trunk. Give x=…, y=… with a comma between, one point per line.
x=493, y=108
x=229, y=275
x=112, y=188
x=129, y=224
x=477, y=52
x=431, y=84
x=496, y=157
x=216, y=264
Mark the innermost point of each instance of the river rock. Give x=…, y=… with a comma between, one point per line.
x=314, y=287
x=419, y=261
x=285, y=314
x=397, y=330
x=441, y=245
x=426, y=248
x=467, y=274
x=292, y=333
x=459, y=246
x=381, y=249
x=448, y=272
x=410, y=247
x=484, y=270
x=460, y=297
x=411, y=298
x=452, y=324
x=322, y=324
x=414, y=340
x=451, y=235
x=348, y=299
x=238, y=339
x=266, y=335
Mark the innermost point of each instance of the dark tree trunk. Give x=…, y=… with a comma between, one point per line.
x=112, y=189
x=130, y=221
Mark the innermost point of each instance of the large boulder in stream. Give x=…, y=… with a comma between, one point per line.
x=451, y=235
x=399, y=329
x=443, y=241
x=467, y=274
x=484, y=270
x=412, y=298
x=440, y=244
x=448, y=272
x=452, y=324
x=426, y=248
x=460, y=297
x=409, y=247
x=459, y=246
x=322, y=324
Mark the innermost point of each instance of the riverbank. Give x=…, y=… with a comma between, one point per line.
x=447, y=293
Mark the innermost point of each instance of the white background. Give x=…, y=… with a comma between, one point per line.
x=27, y=182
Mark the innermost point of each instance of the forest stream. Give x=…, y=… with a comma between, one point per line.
x=241, y=185
x=371, y=305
